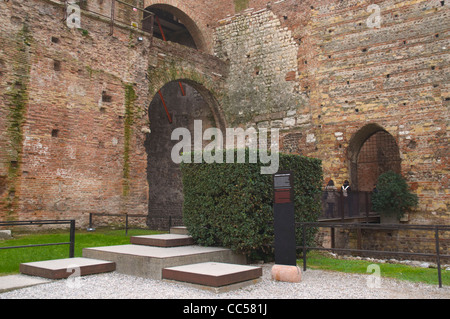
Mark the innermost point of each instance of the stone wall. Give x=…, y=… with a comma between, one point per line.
x=74, y=102
x=74, y=106
x=337, y=79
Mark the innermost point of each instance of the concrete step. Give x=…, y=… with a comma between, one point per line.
x=149, y=261
x=13, y=282
x=63, y=268
x=162, y=240
x=213, y=274
x=181, y=230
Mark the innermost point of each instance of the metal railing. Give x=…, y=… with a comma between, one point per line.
x=126, y=216
x=71, y=241
x=145, y=24
x=171, y=220
x=359, y=226
x=336, y=206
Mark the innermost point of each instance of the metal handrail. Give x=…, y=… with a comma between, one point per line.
x=113, y=19
x=71, y=241
x=358, y=226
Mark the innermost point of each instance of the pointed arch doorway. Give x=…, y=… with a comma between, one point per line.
x=372, y=152
x=177, y=104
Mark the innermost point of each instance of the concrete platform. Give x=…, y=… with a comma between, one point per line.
x=212, y=274
x=63, y=268
x=12, y=282
x=148, y=261
x=163, y=240
x=181, y=230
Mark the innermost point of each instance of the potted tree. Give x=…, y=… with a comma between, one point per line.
x=392, y=197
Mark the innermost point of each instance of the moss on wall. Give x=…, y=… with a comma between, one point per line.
x=240, y=5
x=130, y=98
x=17, y=99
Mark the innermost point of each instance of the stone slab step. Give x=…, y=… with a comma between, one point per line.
x=12, y=282
x=212, y=274
x=63, y=268
x=163, y=240
x=148, y=261
x=181, y=230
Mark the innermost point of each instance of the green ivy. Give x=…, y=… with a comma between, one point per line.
x=17, y=99
x=230, y=205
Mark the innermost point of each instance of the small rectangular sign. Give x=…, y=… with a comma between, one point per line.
x=283, y=188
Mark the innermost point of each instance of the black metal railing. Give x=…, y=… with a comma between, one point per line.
x=359, y=226
x=163, y=222
x=71, y=241
x=336, y=206
x=126, y=216
x=145, y=23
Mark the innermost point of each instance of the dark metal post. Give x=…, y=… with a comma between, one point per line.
x=126, y=224
x=333, y=243
x=366, y=198
x=358, y=237
x=438, y=258
x=304, y=246
x=72, y=239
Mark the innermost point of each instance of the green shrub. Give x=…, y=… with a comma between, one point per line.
x=230, y=204
x=393, y=197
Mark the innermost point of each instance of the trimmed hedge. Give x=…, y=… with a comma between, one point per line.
x=230, y=204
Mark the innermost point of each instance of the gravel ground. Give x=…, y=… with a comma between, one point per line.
x=315, y=284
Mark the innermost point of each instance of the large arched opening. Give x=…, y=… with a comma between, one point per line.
x=172, y=24
x=176, y=105
x=372, y=151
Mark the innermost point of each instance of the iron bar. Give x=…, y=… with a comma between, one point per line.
x=304, y=245
x=71, y=243
x=115, y=215
x=359, y=226
x=36, y=245
x=72, y=239
x=438, y=258
x=165, y=106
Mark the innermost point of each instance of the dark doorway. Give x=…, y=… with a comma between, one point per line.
x=372, y=151
x=183, y=105
x=379, y=154
x=169, y=24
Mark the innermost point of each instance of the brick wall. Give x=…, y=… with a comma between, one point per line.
x=351, y=79
x=75, y=111
x=74, y=103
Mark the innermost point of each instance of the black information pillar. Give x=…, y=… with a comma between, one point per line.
x=284, y=220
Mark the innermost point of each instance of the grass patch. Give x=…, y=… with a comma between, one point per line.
x=10, y=259
x=318, y=260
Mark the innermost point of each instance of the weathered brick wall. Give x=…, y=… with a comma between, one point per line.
x=396, y=76
x=74, y=103
x=261, y=86
x=75, y=111
x=349, y=74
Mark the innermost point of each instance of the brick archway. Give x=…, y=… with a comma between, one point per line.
x=185, y=13
x=175, y=105
x=372, y=151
